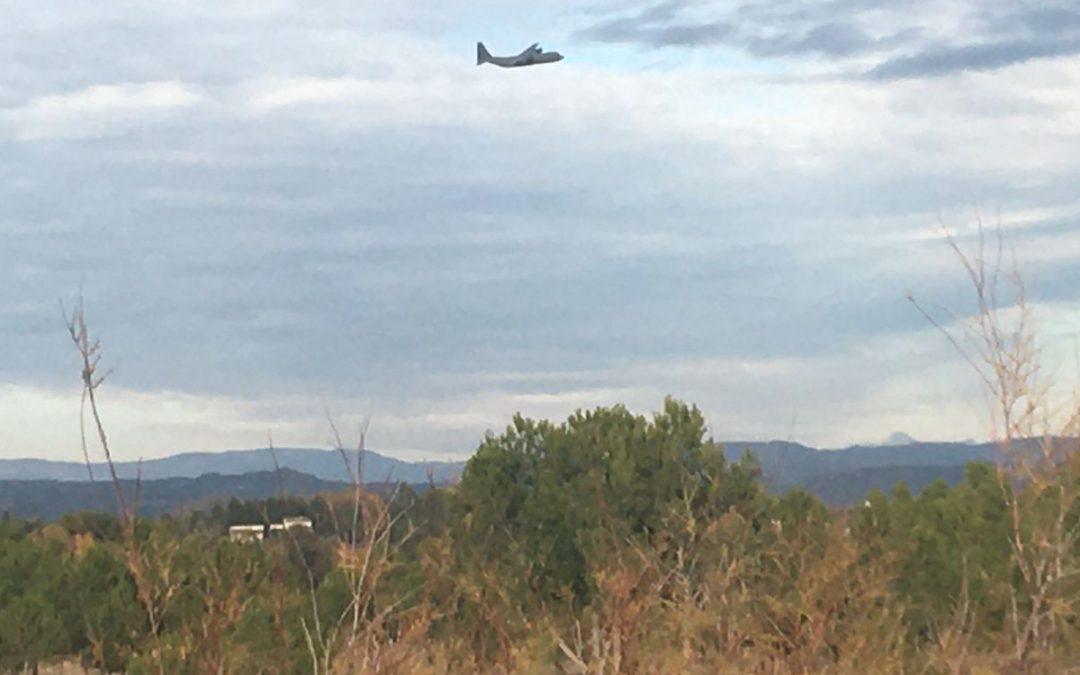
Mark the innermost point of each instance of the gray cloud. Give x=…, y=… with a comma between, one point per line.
x=945, y=60
x=833, y=39
x=405, y=265
x=763, y=29
x=655, y=26
x=908, y=41
x=1041, y=20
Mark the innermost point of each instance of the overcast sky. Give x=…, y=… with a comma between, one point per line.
x=276, y=207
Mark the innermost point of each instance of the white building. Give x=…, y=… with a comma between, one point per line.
x=296, y=521
x=259, y=532
x=246, y=532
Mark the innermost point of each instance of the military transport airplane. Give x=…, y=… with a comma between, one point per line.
x=531, y=56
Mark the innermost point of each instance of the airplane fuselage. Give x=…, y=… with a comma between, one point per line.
x=525, y=60
x=530, y=57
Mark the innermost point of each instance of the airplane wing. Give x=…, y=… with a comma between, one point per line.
x=526, y=57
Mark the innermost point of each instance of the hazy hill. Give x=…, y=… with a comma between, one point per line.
x=323, y=464
x=848, y=488
x=50, y=499
x=840, y=477
x=786, y=464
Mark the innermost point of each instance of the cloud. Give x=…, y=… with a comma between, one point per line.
x=450, y=423
x=100, y=110
x=944, y=60
x=834, y=39
x=144, y=424
x=897, y=40
x=655, y=27
x=1041, y=20
x=772, y=29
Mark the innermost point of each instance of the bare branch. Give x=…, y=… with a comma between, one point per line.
x=90, y=355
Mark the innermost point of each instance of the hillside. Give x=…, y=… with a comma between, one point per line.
x=322, y=464
x=46, y=490
x=786, y=464
x=848, y=488
x=50, y=499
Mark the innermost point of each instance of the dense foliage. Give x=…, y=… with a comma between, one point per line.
x=608, y=543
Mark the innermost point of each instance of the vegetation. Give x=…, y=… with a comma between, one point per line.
x=609, y=543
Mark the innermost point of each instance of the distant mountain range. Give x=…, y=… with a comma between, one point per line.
x=50, y=499
x=46, y=489
x=322, y=464
x=844, y=477
x=787, y=465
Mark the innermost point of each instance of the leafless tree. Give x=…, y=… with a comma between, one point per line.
x=998, y=340
x=90, y=354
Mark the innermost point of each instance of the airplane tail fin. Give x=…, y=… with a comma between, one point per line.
x=482, y=54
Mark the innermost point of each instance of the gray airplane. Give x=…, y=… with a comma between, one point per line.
x=530, y=57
